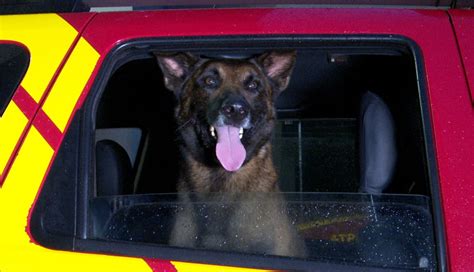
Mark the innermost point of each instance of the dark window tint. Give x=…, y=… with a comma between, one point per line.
x=14, y=61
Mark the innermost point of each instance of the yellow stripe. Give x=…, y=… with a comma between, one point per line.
x=12, y=124
x=69, y=85
x=190, y=267
x=17, y=253
x=48, y=38
x=20, y=187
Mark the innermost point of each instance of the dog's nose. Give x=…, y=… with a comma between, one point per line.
x=235, y=111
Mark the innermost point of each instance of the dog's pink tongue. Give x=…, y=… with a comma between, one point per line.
x=229, y=150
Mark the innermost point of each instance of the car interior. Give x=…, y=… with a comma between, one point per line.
x=346, y=123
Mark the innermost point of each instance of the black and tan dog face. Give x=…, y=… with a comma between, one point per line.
x=225, y=106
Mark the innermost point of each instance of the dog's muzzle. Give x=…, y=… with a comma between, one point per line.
x=234, y=111
x=232, y=118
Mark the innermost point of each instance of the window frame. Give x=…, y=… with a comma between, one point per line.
x=130, y=50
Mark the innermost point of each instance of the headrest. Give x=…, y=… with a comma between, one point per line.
x=129, y=138
x=378, y=153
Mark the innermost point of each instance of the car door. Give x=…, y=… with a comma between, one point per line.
x=47, y=116
x=108, y=33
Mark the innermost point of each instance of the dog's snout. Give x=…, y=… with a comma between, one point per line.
x=235, y=110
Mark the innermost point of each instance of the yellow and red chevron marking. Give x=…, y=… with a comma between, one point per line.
x=42, y=122
x=40, y=112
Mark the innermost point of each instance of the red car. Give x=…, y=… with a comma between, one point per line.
x=373, y=144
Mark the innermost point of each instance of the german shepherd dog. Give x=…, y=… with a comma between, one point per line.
x=225, y=115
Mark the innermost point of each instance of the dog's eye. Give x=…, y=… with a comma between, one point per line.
x=210, y=81
x=252, y=86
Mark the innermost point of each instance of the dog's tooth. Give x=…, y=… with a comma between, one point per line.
x=241, y=132
x=213, y=131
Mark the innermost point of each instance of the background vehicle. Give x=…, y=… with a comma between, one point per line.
x=71, y=81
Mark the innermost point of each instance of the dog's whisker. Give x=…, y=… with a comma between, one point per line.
x=185, y=124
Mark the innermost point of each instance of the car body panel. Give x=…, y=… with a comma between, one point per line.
x=70, y=83
x=463, y=23
x=448, y=95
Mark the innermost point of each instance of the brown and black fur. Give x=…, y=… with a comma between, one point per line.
x=260, y=223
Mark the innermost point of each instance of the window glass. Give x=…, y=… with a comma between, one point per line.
x=13, y=64
x=388, y=230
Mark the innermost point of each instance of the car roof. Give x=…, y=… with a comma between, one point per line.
x=62, y=6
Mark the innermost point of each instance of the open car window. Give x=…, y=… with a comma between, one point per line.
x=349, y=146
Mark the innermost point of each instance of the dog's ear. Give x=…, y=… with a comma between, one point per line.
x=176, y=67
x=278, y=66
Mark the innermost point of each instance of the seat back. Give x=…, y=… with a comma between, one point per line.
x=117, y=159
x=377, y=143
x=113, y=169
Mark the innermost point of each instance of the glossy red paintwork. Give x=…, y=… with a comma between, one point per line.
x=449, y=99
x=78, y=20
x=158, y=265
x=463, y=22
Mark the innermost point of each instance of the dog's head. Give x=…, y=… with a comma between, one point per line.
x=225, y=106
